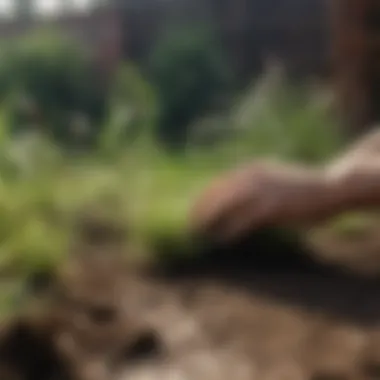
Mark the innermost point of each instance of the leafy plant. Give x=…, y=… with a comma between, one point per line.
x=190, y=72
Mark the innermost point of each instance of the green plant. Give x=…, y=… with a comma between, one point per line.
x=189, y=71
x=276, y=118
x=132, y=111
x=140, y=184
x=49, y=80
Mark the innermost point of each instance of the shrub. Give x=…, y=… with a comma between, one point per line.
x=189, y=71
x=51, y=82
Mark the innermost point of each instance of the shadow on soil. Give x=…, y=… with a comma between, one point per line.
x=281, y=268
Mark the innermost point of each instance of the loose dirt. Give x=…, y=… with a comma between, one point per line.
x=265, y=308
x=261, y=313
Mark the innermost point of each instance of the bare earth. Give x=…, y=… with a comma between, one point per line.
x=252, y=319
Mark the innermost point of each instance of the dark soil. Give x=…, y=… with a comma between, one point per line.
x=266, y=307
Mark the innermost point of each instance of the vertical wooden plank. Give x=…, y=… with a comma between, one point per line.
x=354, y=49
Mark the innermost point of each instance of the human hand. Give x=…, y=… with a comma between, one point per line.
x=261, y=194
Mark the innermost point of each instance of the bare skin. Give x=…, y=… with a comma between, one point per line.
x=266, y=193
x=357, y=172
x=262, y=194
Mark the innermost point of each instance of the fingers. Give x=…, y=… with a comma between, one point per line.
x=230, y=207
x=216, y=204
x=253, y=216
x=258, y=196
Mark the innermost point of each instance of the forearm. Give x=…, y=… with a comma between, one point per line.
x=357, y=186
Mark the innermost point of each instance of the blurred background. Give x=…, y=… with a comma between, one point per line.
x=116, y=114
x=127, y=108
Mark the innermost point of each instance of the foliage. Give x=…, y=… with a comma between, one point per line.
x=190, y=71
x=49, y=81
x=42, y=190
x=132, y=110
x=274, y=117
